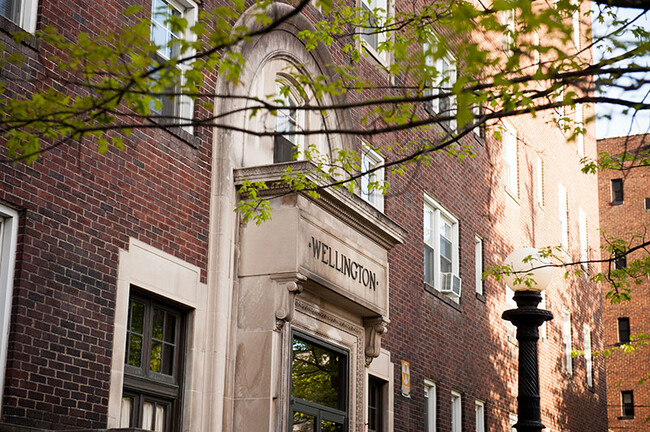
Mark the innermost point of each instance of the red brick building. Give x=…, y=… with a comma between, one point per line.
x=133, y=296
x=624, y=197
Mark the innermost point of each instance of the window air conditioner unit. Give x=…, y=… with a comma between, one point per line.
x=450, y=284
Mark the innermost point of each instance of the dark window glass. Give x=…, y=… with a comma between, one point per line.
x=152, y=379
x=623, y=330
x=617, y=191
x=10, y=9
x=375, y=404
x=429, y=265
x=647, y=203
x=319, y=386
x=627, y=403
x=620, y=259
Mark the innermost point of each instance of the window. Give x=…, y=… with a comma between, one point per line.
x=563, y=216
x=20, y=12
x=478, y=264
x=170, y=108
x=287, y=123
x=510, y=160
x=623, y=330
x=536, y=57
x=582, y=233
x=647, y=203
x=560, y=110
x=370, y=159
x=479, y=409
x=620, y=259
x=508, y=37
x=152, y=378
x=580, y=137
x=430, y=405
x=440, y=248
x=617, y=191
x=456, y=412
x=372, y=34
x=375, y=404
x=576, y=26
x=589, y=368
x=539, y=181
x=627, y=403
x=8, y=240
x=566, y=342
x=445, y=78
x=319, y=385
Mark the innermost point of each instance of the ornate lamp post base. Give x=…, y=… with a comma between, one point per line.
x=528, y=318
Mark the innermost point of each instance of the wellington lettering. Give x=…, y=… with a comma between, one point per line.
x=341, y=263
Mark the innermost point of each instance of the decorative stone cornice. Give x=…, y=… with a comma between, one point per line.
x=350, y=209
x=375, y=328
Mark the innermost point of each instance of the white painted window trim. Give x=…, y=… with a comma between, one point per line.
x=438, y=213
x=8, y=242
x=508, y=20
x=479, y=409
x=580, y=137
x=566, y=341
x=431, y=404
x=371, y=159
x=28, y=15
x=575, y=20
x=478, y=264
x=589, y=368
x=456, y=412
x=383, y=5
x=539, y=181
x=190, y=11
x=447, y=80
x=510, y=161
x=563, y=216
x=582, y=234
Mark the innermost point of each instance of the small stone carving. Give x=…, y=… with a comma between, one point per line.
x=375, y=328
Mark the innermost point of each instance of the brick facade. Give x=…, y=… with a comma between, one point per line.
x=626, y=221
x=80, y=213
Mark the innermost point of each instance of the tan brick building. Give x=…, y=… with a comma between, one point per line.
x=624, y=197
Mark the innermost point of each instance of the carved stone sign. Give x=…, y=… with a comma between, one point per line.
x=331, y=257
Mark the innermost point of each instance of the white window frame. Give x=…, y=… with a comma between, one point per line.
x=589, y=368
x=575, y=19
x=446, y=77
x=456, y=412
x=566, y=341
x=190, y=11
x=563, y=216
x=582, y=234
x=371, y=159
x=478, y=264
x=437, y=215
x=27, y=16
x=560, y=111
x=479, y=409
x=536, y=57
x=508, y=37
x=8, y=242
x=380, y=5
x=510, y=161
x=539, y=181
x=580, y=136
x=430, y=405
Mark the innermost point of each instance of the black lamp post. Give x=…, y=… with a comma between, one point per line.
x=528, y=279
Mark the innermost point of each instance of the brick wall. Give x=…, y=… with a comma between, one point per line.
x=625, y=221
x=77, y=210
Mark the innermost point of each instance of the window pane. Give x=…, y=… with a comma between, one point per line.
x=147, y=415
x=170, y=328
x=126, y=413
x=135, y=350
x=10, y=9
x=302, y=422
x=330, y=426
x=156, y=354
x=137, y=317
x=429, y=264
x=168, y=359
x=318, y=375
x=158, y=324
x=161, y=412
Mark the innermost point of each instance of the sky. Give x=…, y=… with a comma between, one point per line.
x=620, y=123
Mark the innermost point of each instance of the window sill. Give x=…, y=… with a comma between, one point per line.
x=9, y=27
x=383, y=62
x=625, y=418
x=512, y=195
x=480, y=297
x=616, y=203
x=180, y=133
x=442, y=297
